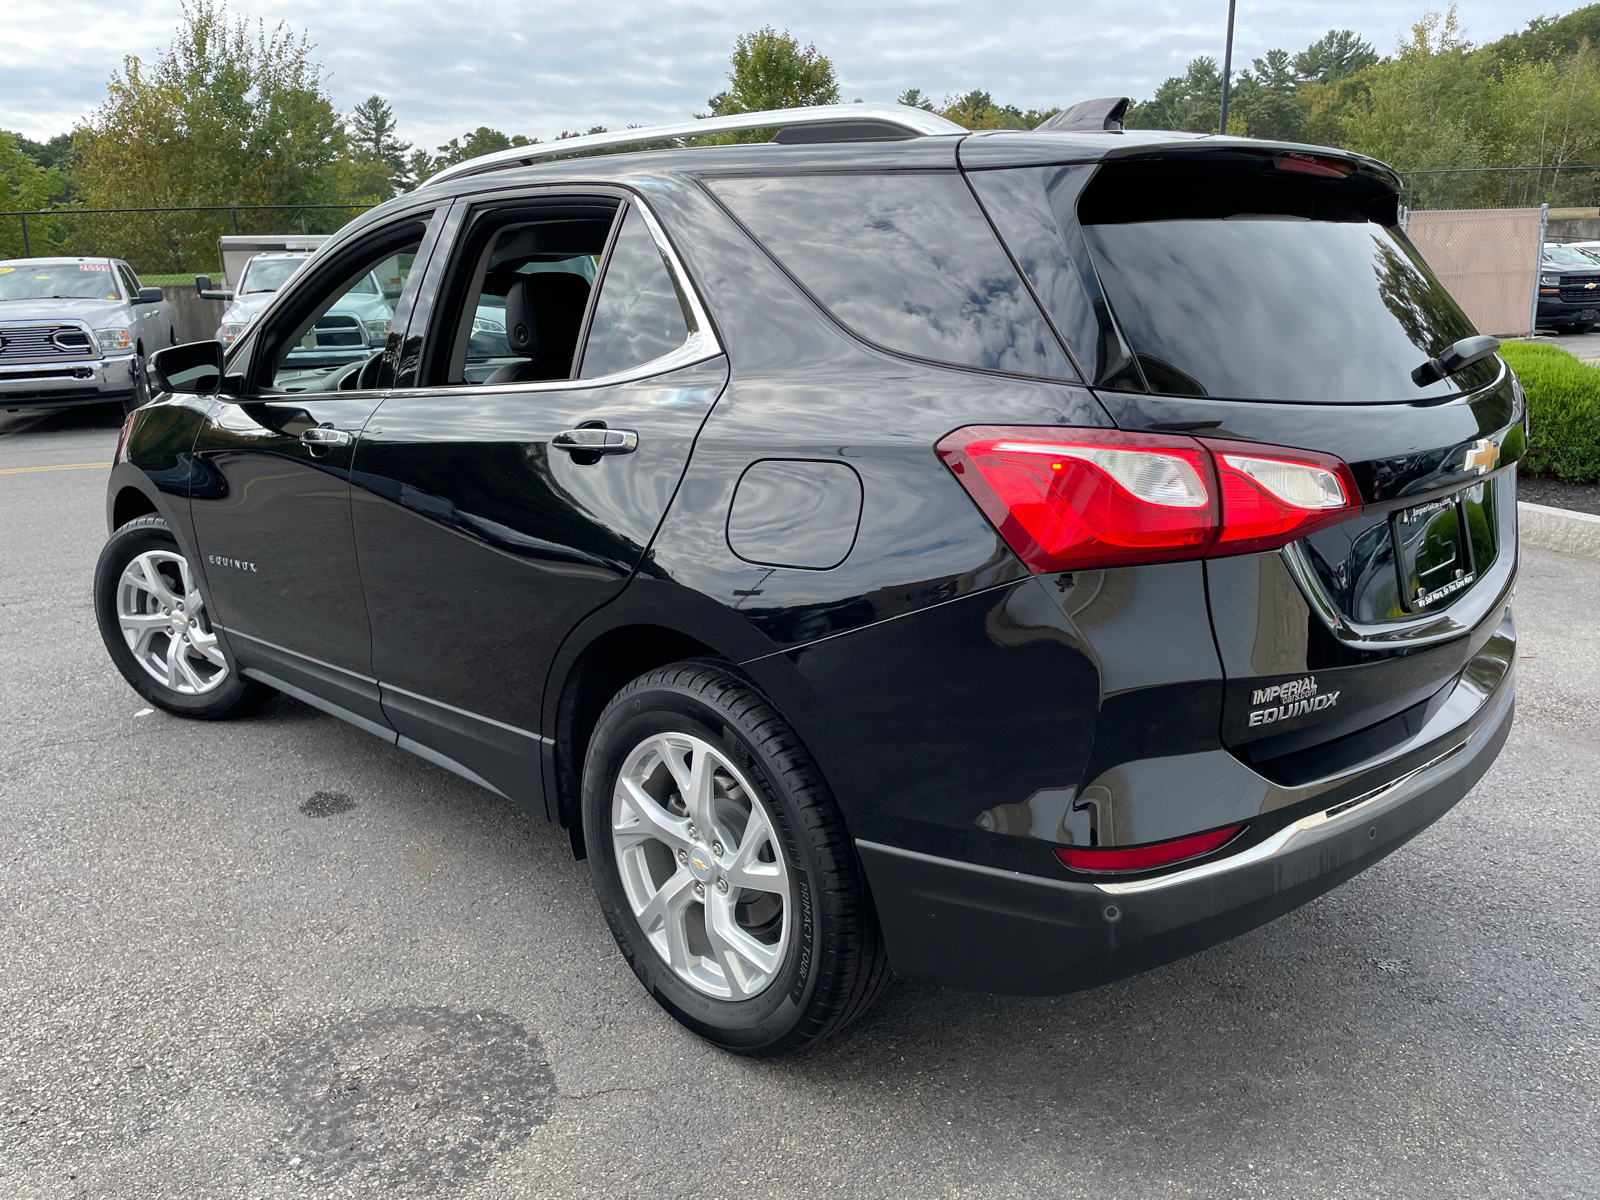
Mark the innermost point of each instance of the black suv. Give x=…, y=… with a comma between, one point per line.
x=1012, y=560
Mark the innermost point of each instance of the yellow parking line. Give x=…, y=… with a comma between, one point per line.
x=62, y=467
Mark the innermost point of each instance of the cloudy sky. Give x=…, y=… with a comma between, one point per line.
x=535, y=67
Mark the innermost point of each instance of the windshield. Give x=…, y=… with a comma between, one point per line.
x=63, y=281
x=1569, y=256
x=268, y=274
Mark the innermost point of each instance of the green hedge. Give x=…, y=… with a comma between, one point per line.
x=1563, y=411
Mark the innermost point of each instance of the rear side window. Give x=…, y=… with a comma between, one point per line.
x=1236, y=277
x=639, y=315
x=906, y=261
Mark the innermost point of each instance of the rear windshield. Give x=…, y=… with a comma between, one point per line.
x=1242, y=279
x=906, y=261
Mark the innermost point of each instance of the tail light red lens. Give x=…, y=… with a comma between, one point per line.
x=1146, y=858
x=1070, y=499
x=1076, y=499
x=1270, y=497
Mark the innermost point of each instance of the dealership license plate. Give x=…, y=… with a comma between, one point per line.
x=1443, y=546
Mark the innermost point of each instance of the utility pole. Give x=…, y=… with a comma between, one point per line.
x=1227, y=71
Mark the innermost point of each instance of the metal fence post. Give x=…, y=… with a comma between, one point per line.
x=236, y=220
x=26, y=253
x=1538, y=266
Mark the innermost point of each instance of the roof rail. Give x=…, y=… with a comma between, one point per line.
x=852, y=122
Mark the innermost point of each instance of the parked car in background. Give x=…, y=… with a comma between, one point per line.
x=77, y=331
x=1569, y=289
x=263, y=275
x=1015, y=560
x=347, y=333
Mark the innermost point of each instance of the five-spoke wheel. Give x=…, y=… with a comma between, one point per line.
x=163, y=620
x=723, y=865
x=699, y=861
x=154, y=620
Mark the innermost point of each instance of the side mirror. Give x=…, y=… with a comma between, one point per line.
x=202, y=286
x=194, y=368
x=149, y=296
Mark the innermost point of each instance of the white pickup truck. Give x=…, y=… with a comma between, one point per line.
x=77, y=331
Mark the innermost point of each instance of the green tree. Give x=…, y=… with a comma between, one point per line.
x=228, y=113
x=1423, y=108
x=476, y=144
x=1191, y=101
x=772, y=70
x=24, y=186
x=1337, y=55
x=914, y=98
x=369, y=131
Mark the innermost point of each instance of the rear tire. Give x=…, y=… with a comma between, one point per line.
x=141, y=386
x=156, y=628
x=793, y=900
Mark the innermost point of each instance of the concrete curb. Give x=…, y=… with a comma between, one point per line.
x=1558, y=529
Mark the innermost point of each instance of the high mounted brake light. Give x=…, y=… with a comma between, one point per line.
x=1077, y=499
x=1309, y=164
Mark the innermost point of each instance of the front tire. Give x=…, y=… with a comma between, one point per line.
x=723, y=865
x=157, y=630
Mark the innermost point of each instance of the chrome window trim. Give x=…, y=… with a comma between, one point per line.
x=702, y=344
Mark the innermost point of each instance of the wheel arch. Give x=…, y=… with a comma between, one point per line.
x=652, y=623
x=128, y=503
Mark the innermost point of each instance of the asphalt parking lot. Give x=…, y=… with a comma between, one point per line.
x=278, y=957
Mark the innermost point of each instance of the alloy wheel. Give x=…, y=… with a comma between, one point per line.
x=701, y=865
x=164, y=622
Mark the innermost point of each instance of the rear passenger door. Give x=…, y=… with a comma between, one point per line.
x=563, y=372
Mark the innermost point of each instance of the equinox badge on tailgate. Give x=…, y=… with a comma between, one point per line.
x=1294, y=699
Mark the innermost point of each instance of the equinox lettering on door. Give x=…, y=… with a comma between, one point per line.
x=1294, y=699
x=237, y=563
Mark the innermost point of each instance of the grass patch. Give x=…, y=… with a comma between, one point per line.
x=1563, y=411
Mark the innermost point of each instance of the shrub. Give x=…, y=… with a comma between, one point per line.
x=1563, y=411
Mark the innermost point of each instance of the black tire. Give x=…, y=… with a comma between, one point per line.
x=835, y=966
x=141, y=386
x=233, y=697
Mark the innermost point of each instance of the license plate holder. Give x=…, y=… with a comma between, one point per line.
x=1433, y=552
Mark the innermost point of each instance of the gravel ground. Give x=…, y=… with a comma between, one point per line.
x=277, y=957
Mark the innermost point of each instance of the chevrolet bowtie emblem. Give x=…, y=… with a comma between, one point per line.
x=1483, y=456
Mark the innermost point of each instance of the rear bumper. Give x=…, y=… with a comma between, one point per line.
x=59, y=385
x=964, y=925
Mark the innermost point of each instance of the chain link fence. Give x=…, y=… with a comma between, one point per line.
x=160, y=242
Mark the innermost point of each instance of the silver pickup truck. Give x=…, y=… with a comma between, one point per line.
x=77, y=331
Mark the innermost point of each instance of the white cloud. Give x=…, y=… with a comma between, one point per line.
x=535, y=67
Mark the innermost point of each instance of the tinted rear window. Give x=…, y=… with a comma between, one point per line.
x=906, y=261
x=1238, y=279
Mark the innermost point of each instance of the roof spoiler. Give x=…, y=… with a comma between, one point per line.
x=1090, y=116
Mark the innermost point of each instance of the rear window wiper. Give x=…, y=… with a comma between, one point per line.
x=1457, y=356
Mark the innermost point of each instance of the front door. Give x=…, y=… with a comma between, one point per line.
x=271, y=494
x=517, y=490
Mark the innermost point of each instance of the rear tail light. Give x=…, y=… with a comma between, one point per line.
x=1072, y=499
x=1076, y=499
x=1268, y=502
x=1145, y=858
